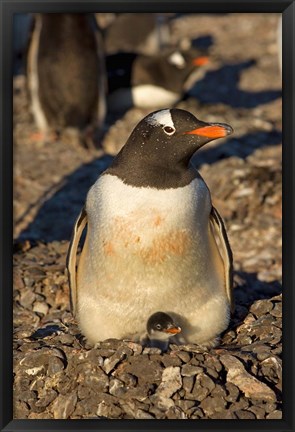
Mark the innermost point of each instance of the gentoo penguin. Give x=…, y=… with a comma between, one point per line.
x=145, y=33
x=160, y=328
x=66, y=72
x=150, y=81
x=153, y=237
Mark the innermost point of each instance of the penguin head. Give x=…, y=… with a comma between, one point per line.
x=161, y=326
x=172, y=136
x=187, y=59
x=159, y=149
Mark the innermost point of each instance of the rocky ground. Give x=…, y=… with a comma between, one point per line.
x=56, y=374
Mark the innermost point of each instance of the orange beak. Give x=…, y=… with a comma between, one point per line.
x=212, y=131
x=173, y=330
x=200, y=61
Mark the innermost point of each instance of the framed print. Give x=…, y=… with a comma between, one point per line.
x=147, y=215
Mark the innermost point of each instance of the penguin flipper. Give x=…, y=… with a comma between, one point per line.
x=72, y=257
x=226, y=253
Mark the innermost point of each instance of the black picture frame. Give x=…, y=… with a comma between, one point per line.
x=7, y=9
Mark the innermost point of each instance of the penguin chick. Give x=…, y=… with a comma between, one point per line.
x=151, y=81
x=66, y=75
x=160, y=328
x=153, y=237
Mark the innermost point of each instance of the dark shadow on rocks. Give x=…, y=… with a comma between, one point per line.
x=240, y=147
x=203, y=42
x=248, y=290
x=56, y=217
x=221, y=86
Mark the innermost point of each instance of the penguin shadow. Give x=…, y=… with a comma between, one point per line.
x=55, y=219
x=247, y=290
x=221, y=86
x=240, y=147
x=203, y=42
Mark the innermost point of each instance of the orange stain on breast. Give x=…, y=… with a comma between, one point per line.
x=151, y=249
x=109, y=248
x=158, y=220
x=163, y=246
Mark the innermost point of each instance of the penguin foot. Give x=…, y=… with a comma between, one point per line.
x=41, y=136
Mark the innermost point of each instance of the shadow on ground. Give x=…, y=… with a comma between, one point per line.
x=56, y=217
x=246, y=293
x=221, y=86
x=240, y=147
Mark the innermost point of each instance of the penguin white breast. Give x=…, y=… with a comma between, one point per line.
x=139, y=235
x=148, y=95
x=142, y=96
x=120, y=212
x=145, y=249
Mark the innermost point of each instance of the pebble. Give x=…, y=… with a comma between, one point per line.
x=189, y=370
x=64, y=405
x=188, y=383
x=275, y=415
x=41, y=307
x=258, y=411
x=171, y=382
x=211, y=405
x=117, y=388
x=27, y=297
x=245, y=414
x=112, y=361
x=108, y=410
x=247, y=383
x=183, y=355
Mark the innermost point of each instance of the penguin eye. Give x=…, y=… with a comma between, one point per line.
x=168, y=130
x=158, y=326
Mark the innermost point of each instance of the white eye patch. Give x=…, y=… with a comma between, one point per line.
x=177, y=60
x=161, y=118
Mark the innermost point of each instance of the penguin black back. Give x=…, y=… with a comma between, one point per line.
x=68, y=69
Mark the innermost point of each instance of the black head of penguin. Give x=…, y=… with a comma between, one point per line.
x=159, y=149
x=169, y=69
x=162, y=322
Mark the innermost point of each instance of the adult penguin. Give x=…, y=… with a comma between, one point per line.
x=153, y=238
x=66, y=73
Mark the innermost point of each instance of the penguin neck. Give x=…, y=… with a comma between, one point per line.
x=140, y=172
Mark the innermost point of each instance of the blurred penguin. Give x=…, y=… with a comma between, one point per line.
x=66, y=74
x=151, y=81
x=145, y=33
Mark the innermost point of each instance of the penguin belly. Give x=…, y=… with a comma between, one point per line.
x=147, y=250
x=141, y=96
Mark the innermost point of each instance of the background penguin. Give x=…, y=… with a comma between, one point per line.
x=151, y=81
x=153, y=237
x=66, y=73
x=160, y=329
x=145, y=33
